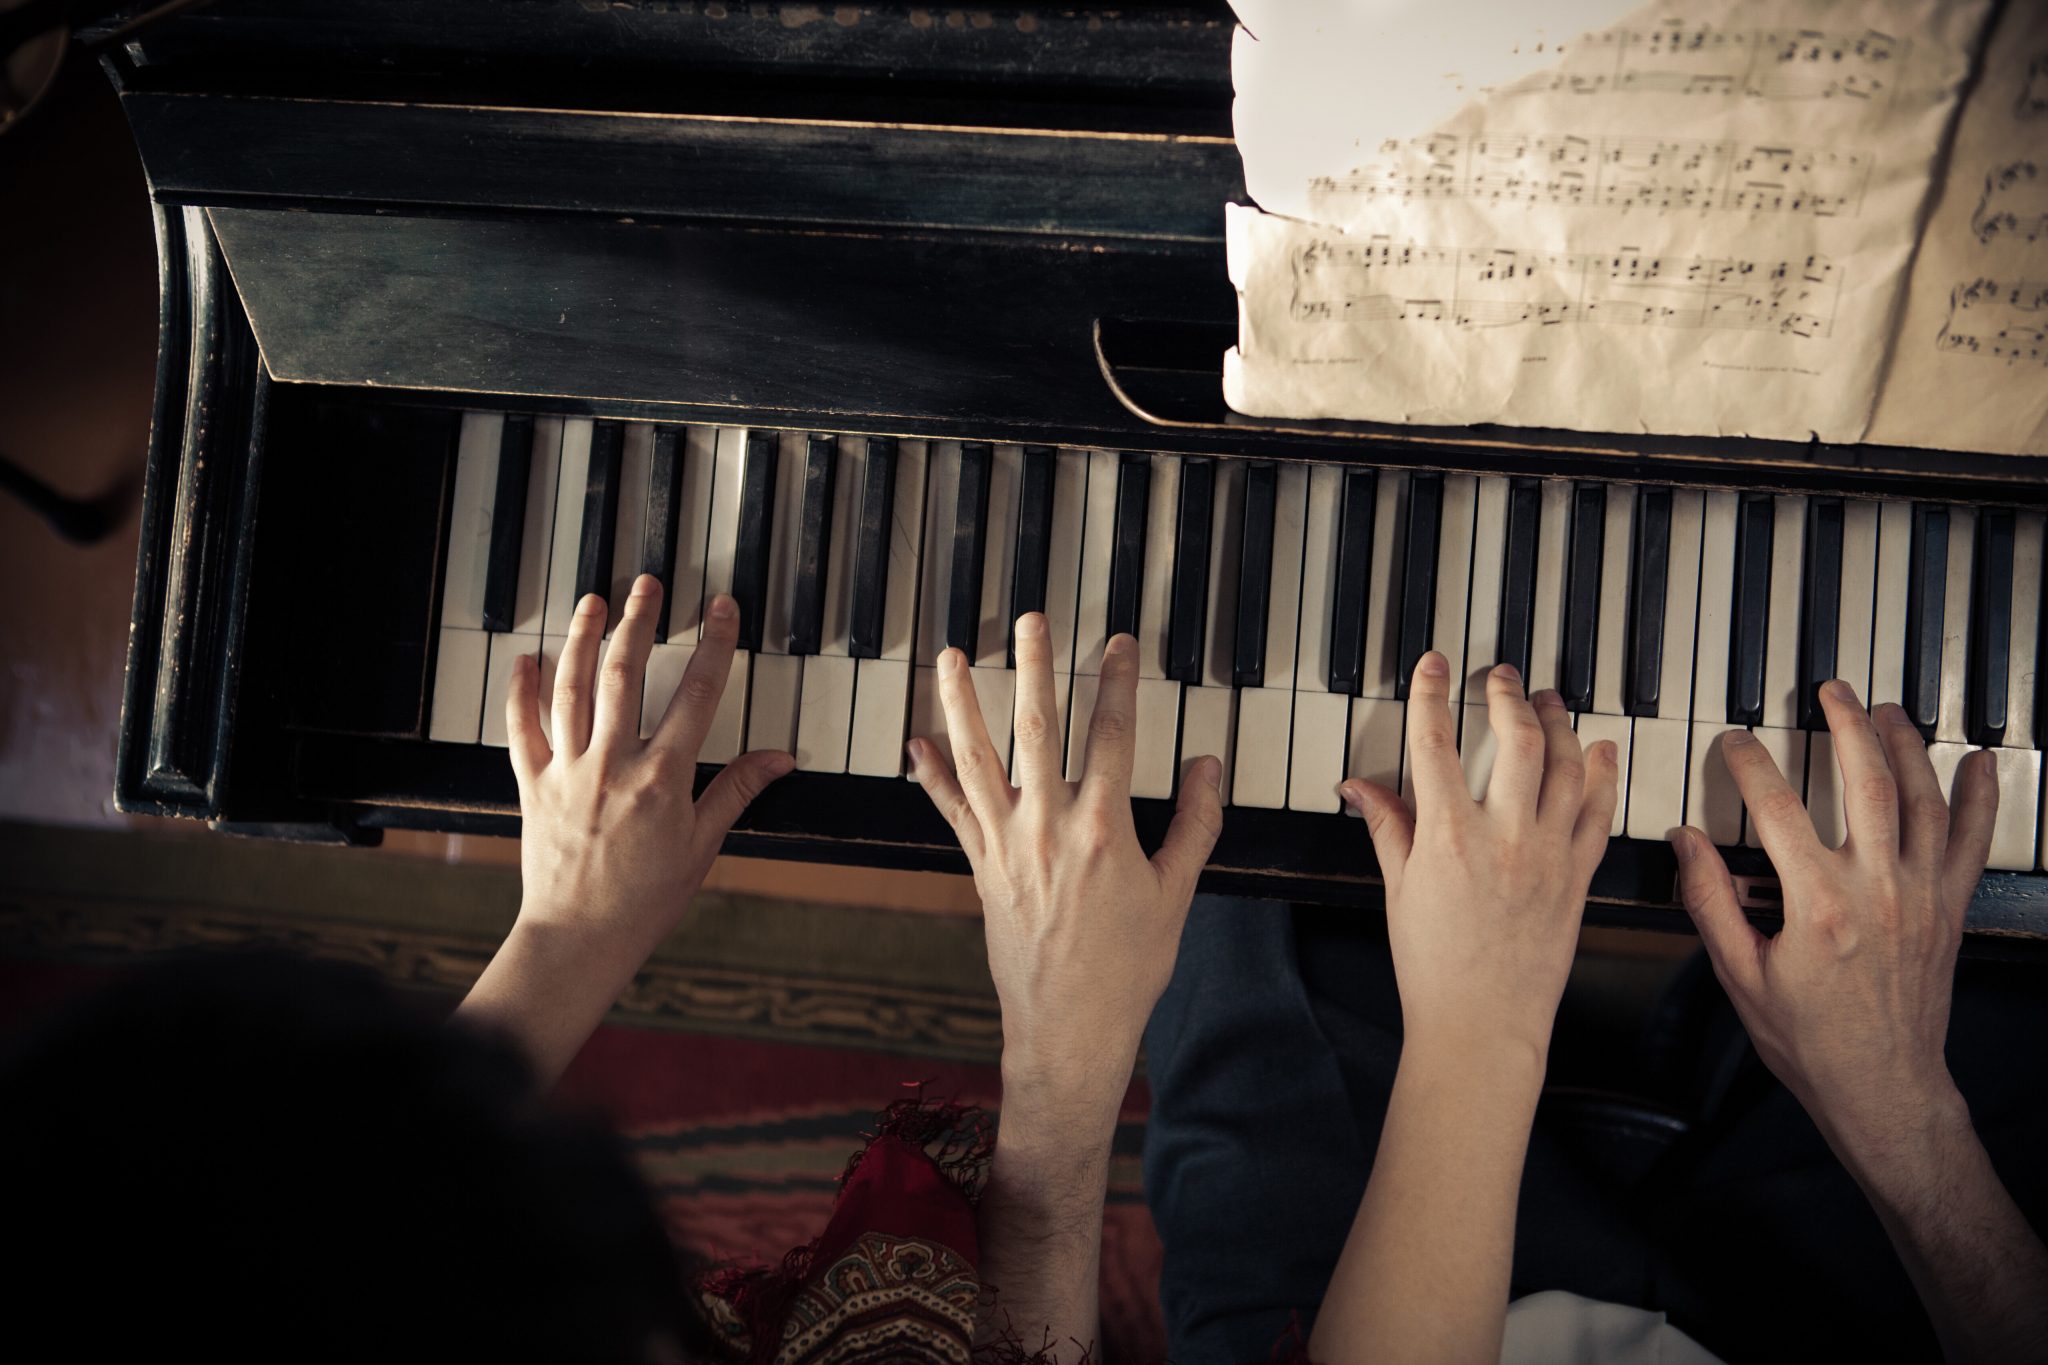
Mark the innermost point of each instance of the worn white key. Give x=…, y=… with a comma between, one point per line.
x=1454, y=575
x=935, y=574
x=726, y=737
x=1681, y=607
x=2019, y=797
x=1656, y=796
x=1712, y=801
x=1787, y=749
x=1947, y=760
x=999, y=560
x=1477, y=747
x=629, y=538
x=1716, y=610
x=666, y=664
x=1610, y=646
x=1322, y=723
x=1063, y=576
x=1824, y=796
x=572, y=482
x=1482, y=614
x=785, y=530
x=1098, y=533
x=1381, y=677
x=1594, y=728
x=1553, y=545
x=1266, y=714
x=1888, y=621
x=461, y=670
x=824, y=722
x=1219, y=638
x=1158, y=727
x=1208, y=726
x=472, y=509
x=505, y=652
x=693, y=534
x=1155, y=588
x=1379, y=728
x=1952, y=713
x=881, y=708
x=882, y=686
x=728, y=483
x=996, y=690
x=825, y=713
x=1259, y=774
x=547, y=656
x=774, y=695
x=2021, y=677
x=1859, y=588
x=1781, y=636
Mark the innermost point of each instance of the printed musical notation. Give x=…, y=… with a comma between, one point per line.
x=1378, y=280
x=1707, y=63
x=1649, y=174
x=2014, y=204
x=1999, y=320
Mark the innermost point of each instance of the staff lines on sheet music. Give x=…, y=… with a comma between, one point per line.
x=1707, y=63
x=1625, y=172
x=1378, y=280
x=1999, y=320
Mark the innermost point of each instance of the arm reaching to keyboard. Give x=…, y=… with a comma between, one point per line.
x=1082, y=933
x=1848, y=1004
x=1483, y=907
x=612, y=846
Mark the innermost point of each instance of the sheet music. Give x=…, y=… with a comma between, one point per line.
x=1970, y=370
x=1695, y=219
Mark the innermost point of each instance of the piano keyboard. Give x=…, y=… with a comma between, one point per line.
x=1279, y=608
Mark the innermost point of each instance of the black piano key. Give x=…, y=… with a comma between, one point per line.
x=871, y=549
x=1582, y=595
x=508, y=523
x=1518, y=574
x=813, y=546
x=1418, y=576
x=1820, y=608
x=1643, y=656
x=600, y=515
x=1991, y=627
x=664, y=510
x=1187, y=624
x=1749, y=627
x=1034, y=537
x=1926, y=595
x=1354, y=568
x=970, y=532
x=1255, y=573
x=750, y=548
x=1127, y=544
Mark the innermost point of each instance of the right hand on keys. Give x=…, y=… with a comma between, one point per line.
x=1082, y=928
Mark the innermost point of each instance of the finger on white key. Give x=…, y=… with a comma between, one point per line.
x=1208, y=726
x=1378, y=733
x=1158, y=723
x=1787, y=749
x=1317, y=750
x=1593, y=728
x=1713, y=804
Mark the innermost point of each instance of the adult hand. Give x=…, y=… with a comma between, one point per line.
x=1484, y=897
x=1082, y=927
x=1848, y=1004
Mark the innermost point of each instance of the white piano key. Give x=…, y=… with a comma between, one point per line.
x=1681, y=607
x=785, y=530
x=572, y=482
x=461, y=667
x=1283, y=600
x=536, y=537
x=999, y=558
x=693, y=534
x=1208, y=726
x=1155, y=589
x=2019, y=796
x=1656, y=797
x=1952, y=714
x=850, y=476
x=1592, y=729
x=825, y=714
x=548, y=654
x=1454, y=574
x=728, y=482
x=666, y=664
x=774, y=694
x=994, y=693
x=1482, y=615
x=1712, y=801
x=935, y=571
x=1226, y=537
x=1476, y=747
x=1091, y=612
x=1379, y=728
x=469, y=527
x=1947, y=760
x=1716, y=616
x=1781, y=638
x=1888, y=620
x=1824, y=790
x=726, y=737
x=1787, y=749
x=1553, y=543
x=629, y=539
x=505, y=652
x=882, y=686
x=881, y=707
x=1259, y=773
x=1319, y=749
x=1859, y=588
x=996, y=689
x=1158, y=727
x=1318, y=585
x=1610, y=646
x=2021, y=677
x=1382, y=675
x=1063, y=562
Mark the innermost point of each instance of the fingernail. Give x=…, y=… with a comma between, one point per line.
x=645, y=584
x=1549, y=696
x=1683, y=845
x=1435, y=665
x=1210, y=770
x=780, y=764
x=723, y=608
x=949, y=660
x=1354, y=797
x=1119, y=645
x=1508, y=673
x=1990, y=762
x=1839, y=690
x=910, y=756
x=591, y=605
x=1735, y=739
x=1030, y=626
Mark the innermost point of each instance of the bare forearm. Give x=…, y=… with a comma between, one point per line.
x=1424, y=1274
x=547, y=988
x=1980, y=1270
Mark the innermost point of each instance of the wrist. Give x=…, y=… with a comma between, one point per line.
x=1893, y=1150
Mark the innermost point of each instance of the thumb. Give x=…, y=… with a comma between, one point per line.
x=1197, y=820
x=734, y=789
x=1735, y=946
x=1388, y=822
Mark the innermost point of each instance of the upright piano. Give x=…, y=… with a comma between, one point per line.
x=895, y=321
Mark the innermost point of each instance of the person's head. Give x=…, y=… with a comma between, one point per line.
x=243, y=1155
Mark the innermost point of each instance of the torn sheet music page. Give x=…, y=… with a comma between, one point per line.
x=1970, y=370
x=1695, y=220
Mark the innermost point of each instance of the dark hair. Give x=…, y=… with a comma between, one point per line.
x=251, y=1155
